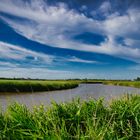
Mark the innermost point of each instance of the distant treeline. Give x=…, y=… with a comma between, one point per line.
x=2, y=78
x=138, y=79
x=77, y=79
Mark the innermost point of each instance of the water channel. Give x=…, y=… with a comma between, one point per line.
x=84, y=91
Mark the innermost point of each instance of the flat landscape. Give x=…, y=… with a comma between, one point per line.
x=69, y=69
x=19, y=86
x=76, y=119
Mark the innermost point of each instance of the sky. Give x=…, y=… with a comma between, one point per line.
x=63, y=39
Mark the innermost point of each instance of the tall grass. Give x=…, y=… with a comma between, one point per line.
x=124, y=83
x=78, y=120
x=38, y=85
x=34, y=85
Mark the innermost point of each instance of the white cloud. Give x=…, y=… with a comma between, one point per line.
x=13, y=52
x=113, y=48
x=75, y=59
x=132, y=42
x=9, y=51
x=7, y=64
x=56, y=25
x=105, y=8
x=83, y=8
x=126, y=25
x=33, y=73
x=26, y=9
x=42, y=73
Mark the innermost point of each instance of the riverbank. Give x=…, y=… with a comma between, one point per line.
x=74, y=120
x=135, y=84
x=34, y=85
x=18, y=86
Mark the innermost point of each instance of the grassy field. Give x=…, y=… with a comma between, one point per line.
x=124, y=83
x=44, y=85
x=34, y=85
x=78, y=120
x=114, y=82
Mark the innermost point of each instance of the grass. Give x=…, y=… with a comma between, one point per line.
x=43, y=85
x=34, y=85
x=76, y=120
x=135, y=84
x=124, y=83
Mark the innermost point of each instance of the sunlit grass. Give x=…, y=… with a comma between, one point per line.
x=34, y=85
x=124, y=83
x=74, y=120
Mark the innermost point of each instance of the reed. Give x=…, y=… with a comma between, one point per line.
x=34, y=85
x=80, y=120
x=124, y=83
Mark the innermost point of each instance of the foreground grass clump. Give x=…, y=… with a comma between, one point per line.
x=124, y=83
x=80, y=120
x=34, y=85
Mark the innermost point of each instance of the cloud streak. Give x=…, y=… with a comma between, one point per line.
x=43, y=73
x=13, y=52
x=14, y=56
x=75, y=59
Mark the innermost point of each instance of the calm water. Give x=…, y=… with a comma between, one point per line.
x=84, y=91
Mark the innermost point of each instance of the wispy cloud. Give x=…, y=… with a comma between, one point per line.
x=43, y=73
x=7, y=64
x=33, y=73
x=13, y=52
x=104, y=9
x=14, y=56
x=75, y=59
x=43, y=24
x=37, y=64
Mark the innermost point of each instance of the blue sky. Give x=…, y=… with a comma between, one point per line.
x=60, y=39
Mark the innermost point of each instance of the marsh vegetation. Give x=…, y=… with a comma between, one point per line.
x=49, y=85
x=119, y=119
x=34, y=85
x=124, y=83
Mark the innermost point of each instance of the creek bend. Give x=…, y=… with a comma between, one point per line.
x=83, y=91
